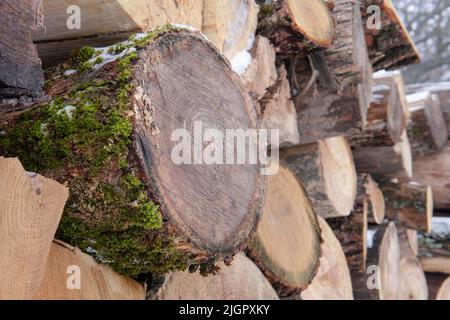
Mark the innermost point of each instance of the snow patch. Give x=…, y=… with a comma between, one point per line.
x=241, y=61
x=70, y=72
x=108, y=57
x=67, y=110
x=370, y=237
x=383, y=74
x=441, y=226
x=417, y=97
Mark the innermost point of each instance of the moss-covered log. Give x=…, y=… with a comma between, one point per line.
x=411, y=205
x=106, y=132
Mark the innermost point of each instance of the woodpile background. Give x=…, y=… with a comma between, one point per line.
x=88, y=186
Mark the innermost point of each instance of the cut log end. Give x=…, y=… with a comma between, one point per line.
x=202, y=216
x=287, y=242
x=444, y=291
x=332, y=281
x=413, y=284
x=327, y=171
x=240, y=281
x=376, y=205
x=312, y=19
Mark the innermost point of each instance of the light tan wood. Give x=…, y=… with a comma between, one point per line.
x=277, y=111
x=439, y=264
x=327, y=171
x=434, y=170
x=101, y=18
x=262, y=72
x=384, y=259
x=230, y=24
x=97, y=282
x=296, y=26
x=332, y=281
x=240, y=281
x=444, y=291
x=30, y=209
x=287, y=242
x=413, y=284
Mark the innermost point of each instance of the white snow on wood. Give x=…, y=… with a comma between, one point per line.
x=383, y=74
x=241, y=62
x=417, y=97
x=441, y=226
x=108, y=57
x=70, y=72
x=431, y=86
x=67, y=110
x=370, y=237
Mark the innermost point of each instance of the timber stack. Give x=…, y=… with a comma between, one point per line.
x=101, y=171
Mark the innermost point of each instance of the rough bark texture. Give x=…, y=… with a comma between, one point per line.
x=385, y=162
x=411, y=205
x=96, y=281
x=327, y=171
x=21, y=70
x=387, y=115
x=332, y=88
x=442, y=90
x=352, y=230
x=277, y=111
x=261, y=74
x=287, y=242
x=230, y=24
x=332, y=281
x=434, y=170
x=56, y=41
x=427, y=130
x=108, y=134
x=240, y=281
x=30, y=209
x=384, y=255
x=296, y=27
x=390, y=47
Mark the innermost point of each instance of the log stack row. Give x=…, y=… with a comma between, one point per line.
x=147, y=211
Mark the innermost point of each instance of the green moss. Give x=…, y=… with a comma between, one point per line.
x=118, y=48
x=109, y=214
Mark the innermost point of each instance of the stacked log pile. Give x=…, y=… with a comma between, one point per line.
x=126, y=196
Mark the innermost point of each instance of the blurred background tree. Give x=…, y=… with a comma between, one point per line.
x=428, y=22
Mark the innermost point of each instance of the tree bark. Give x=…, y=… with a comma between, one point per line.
x=390, y=47
x=332, y=281
x=287, y=242
x=427, y=130
x=292, y=25
x=387, y=116
x=21, y=69
x=30, y=209
x=240, y=281
x=262, y=72
x=96, y=281
x=410, y=205
x=352, y=230
x=109, y=133
x=56, y=41
x=442, y=90
x=332, y=88
x=327, y=171
x=277, y=111
x=382, y=283
x=230, y=24
x=434, y=170
x=385, y=162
